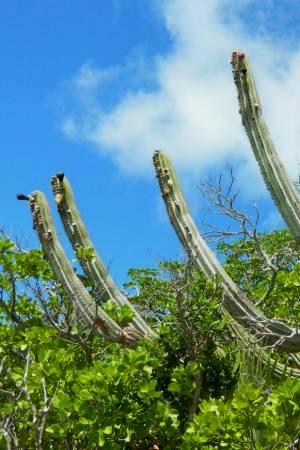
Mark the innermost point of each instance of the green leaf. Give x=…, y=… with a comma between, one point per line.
x=85, y=421
x=174, y=387
x=55, y=429
x=108, y=430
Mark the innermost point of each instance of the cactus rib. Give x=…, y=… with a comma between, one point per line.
x=84, y=306
x=275, y=176
x=93, y=266
x=273, y=331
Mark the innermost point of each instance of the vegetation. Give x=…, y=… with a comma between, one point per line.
x=194, y=386
x=193, y=356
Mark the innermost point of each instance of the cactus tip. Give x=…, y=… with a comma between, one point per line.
x=241, y=55
x=60, y=176
x=22, y=197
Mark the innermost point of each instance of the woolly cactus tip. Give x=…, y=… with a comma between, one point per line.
x=240, y=55
x=22, y=197
x=60, y=176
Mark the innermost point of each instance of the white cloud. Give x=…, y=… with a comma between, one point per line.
x=192, y=113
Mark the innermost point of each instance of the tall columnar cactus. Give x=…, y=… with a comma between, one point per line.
x=87, y=310
x=235, y=302
x=94, y=268
x=84, y=306
x=276, y=178
x=248, y=319
x=287, y=200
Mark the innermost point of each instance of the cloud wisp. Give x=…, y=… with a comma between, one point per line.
x=190, y=107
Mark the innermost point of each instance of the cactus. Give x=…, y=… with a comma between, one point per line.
x=85, y=307
x=272, y=331
x=235, y=302
x=248, y=321
x=93, y=266
x=275, y=176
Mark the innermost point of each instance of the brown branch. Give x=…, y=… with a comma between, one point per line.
x=196, y=396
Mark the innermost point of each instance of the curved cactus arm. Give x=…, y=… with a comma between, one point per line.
x=92, y=265
x=276, y=178
x=84, y=306
x=235, y=302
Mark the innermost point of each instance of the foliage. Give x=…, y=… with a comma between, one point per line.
x=255, y=418
x=246, y=264
x=106, y=403
x=62, y=387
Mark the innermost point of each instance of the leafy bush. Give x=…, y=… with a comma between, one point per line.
x=62, y=387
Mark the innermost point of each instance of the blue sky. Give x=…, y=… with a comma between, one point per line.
x=93, y=88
